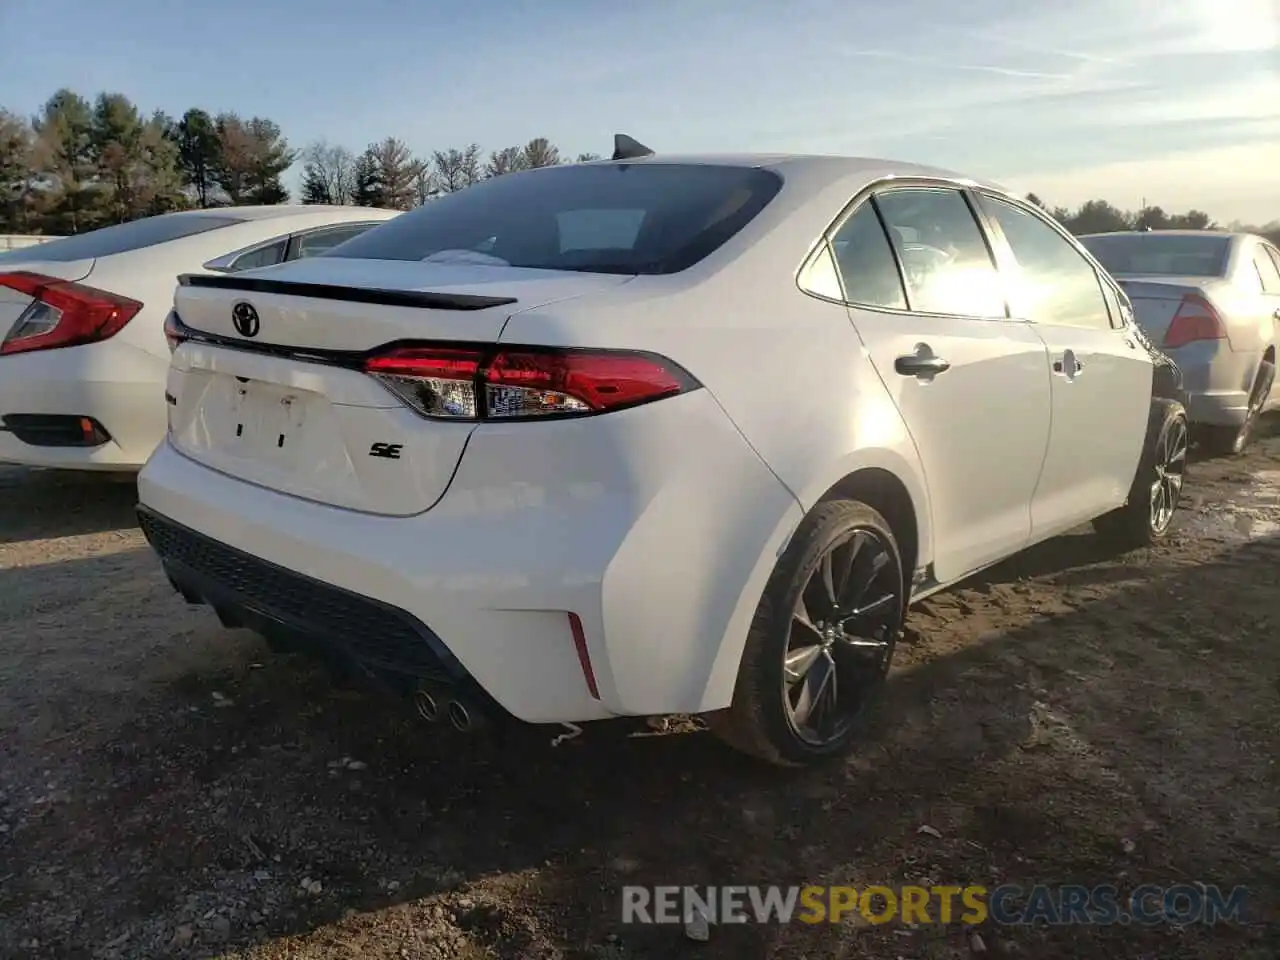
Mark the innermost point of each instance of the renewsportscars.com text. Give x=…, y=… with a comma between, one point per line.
x=1008, y=904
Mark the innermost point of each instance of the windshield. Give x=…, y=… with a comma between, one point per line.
x=120, y=238
x=632, y=218
x=1155, y=254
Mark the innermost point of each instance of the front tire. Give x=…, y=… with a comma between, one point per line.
x=821, y=641
x=1147, y=515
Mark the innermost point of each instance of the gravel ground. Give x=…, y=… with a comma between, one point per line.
x=167, y=788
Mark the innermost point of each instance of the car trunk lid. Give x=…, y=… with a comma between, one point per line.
x=1156, y=300
x=290, y=408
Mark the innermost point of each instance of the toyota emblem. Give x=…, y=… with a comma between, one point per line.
x=245, y=318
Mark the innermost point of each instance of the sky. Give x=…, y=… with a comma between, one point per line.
x=1173, y=101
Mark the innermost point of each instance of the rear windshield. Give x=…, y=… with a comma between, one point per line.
x=119, y=239
x=1153, y=254
x=632, y=218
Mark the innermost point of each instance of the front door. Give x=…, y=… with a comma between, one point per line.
x=1101, y=376
x=971, y=384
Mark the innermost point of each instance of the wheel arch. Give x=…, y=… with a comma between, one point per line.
x=892, y=484
x=884, y=480
x=885, y=493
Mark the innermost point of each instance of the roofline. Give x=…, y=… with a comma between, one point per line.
x=1178, y=232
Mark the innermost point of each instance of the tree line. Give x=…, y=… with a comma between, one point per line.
x=79, y=164
x=1099, y=216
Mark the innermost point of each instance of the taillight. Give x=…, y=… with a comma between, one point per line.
x=63, y=313
x=524, y=382
x=1196, y=319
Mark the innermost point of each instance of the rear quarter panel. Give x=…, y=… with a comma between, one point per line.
x=788, y=369
x=1246, y=310
x=1246, y=314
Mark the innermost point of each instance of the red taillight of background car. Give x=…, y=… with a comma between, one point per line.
x=524, y=382
x=63, y=313
x=1196, y=319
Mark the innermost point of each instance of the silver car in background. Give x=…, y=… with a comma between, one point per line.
x=1211, y=300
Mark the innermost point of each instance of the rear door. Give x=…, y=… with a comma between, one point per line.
x=1267, y=260
x=1101, y=377
x=971, y=384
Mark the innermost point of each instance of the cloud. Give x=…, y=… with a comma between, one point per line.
x=935, y=63
x=1129, y=31
x=999, y=39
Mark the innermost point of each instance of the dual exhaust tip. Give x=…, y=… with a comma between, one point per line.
x=433, y=708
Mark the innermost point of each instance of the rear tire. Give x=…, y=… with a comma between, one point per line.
x=1147, y=516
x=1232, y=441
x=821, y=641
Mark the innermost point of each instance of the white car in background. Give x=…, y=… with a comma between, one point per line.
x=83, y=357
x=653, y=435
x=1212, y=301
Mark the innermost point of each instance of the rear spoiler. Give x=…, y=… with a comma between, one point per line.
x=328, y=291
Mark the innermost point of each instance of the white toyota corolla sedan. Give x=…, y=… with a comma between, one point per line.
x=83, y=357
x=653, y=435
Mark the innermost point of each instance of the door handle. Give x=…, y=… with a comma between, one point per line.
x=1277, y=313
x=1069, y=366
x=923, y=363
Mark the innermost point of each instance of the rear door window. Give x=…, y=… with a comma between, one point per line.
x=1056, y=284
x=264, y=256
x=866, y=262
x=1268, y=272
x=944, y=255
x=1274, y=255
x=124, y=237
x=315, y=242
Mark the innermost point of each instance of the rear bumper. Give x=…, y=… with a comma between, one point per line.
x=657, y=527
x=1217, y=381
x=119, y=386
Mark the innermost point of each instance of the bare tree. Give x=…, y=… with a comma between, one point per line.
x=456, y=169
x=332, y=170
x=506, y=160
x=424, y=184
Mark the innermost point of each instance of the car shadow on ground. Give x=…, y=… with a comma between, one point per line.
x=1268, y=425
x=1123, y=733
x=46, y=504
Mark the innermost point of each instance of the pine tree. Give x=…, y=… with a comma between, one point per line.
x=368, y=189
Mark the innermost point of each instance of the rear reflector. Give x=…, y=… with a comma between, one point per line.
x=584, y=657
x=1196, y=319
x=514, y=383
x=55, y=430
x=63, y=314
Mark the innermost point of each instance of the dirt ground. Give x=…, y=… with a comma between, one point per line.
x=169, y=789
